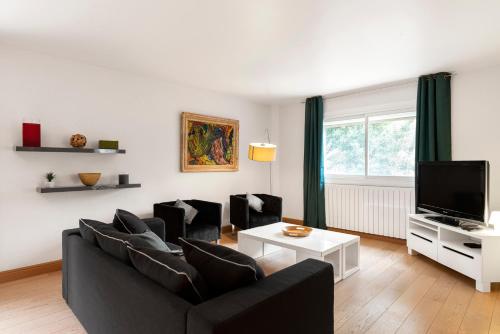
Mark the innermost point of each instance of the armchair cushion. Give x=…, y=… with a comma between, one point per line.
x=127, y=222
x=189, y=211
x=202, y=232
x=223, y=268
x=170, y=271
x=260, y=219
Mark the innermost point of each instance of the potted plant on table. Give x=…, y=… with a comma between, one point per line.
x=50, y=177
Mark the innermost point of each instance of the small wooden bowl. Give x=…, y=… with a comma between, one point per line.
x=89, y=179
x=297, y=231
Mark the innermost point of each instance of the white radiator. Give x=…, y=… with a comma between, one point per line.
x=369, y=209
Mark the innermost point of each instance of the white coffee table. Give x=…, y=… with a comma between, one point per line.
x=340, y=249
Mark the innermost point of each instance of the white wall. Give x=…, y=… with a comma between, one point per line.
x=291, y=159
x=365, y=101
x=143, y=113
x=475, y=134
x=476, y=122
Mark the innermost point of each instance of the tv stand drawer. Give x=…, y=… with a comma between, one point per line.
x=469, y=265
x=423, y=244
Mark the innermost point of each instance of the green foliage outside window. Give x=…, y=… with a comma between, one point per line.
x=391, y=148
x=345, y=149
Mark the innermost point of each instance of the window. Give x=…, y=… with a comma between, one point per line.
x=381, y=145
x=391, y=145
x=345, y=147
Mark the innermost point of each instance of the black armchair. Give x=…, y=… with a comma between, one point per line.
x=242, y=216
x=206, y=225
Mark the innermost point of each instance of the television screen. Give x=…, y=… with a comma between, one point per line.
x=453, y=188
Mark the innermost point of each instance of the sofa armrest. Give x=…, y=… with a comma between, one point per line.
x=65, y=235
x=272, y=204
x=305, y=289
x=157, y=225
x=208, y=213
x=174, y=221
x=238, y=212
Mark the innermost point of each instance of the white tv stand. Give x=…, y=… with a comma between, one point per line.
x=445, y=244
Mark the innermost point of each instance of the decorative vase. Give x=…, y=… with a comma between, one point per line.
x=123, y=179
x=31, y=134
x=108, y=144
x=50, y=184
x=89, y=179
x=78, y=140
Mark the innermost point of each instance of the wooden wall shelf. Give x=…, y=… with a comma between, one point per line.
x=87, y=188
x=68, y=150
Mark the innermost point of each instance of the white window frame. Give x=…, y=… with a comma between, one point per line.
x=366, y=113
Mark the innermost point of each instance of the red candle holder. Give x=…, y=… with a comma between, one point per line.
x=31, y=134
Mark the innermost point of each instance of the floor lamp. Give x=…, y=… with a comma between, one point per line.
x=263, y=152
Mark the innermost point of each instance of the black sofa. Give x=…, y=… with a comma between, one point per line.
x=206, y=225
x=111, y=297
x=244, y=217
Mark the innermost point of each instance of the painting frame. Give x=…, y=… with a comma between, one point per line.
x=186, y=167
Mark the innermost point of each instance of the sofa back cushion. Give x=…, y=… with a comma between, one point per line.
x=127, y=222
x=223, y=268
x=88, y=228
x=113, y=242
x=170, y=271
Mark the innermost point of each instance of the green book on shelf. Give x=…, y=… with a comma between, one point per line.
x=108, y=144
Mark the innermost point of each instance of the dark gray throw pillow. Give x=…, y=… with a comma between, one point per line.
x=127, y=222
x=148, y=239
x=223, y=268
x=170, y=271
x=88, y=228
x=189, y=211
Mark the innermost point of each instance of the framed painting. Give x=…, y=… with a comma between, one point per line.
x=209, y=144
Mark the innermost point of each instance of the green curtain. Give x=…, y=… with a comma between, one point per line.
x=314, y=182
x=433, y=142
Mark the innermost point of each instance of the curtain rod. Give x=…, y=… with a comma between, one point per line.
x=368, y=89
x=373, y=88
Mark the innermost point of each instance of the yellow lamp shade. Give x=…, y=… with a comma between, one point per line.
x=262, y=152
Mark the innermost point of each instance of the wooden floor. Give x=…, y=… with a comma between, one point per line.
x=392, y=293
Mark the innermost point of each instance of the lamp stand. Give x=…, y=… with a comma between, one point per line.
x=270, y=165
x=270, y=178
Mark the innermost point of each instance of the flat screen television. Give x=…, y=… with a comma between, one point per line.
x=453, y=188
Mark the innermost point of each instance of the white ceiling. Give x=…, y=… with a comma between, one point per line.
x=262, y=49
